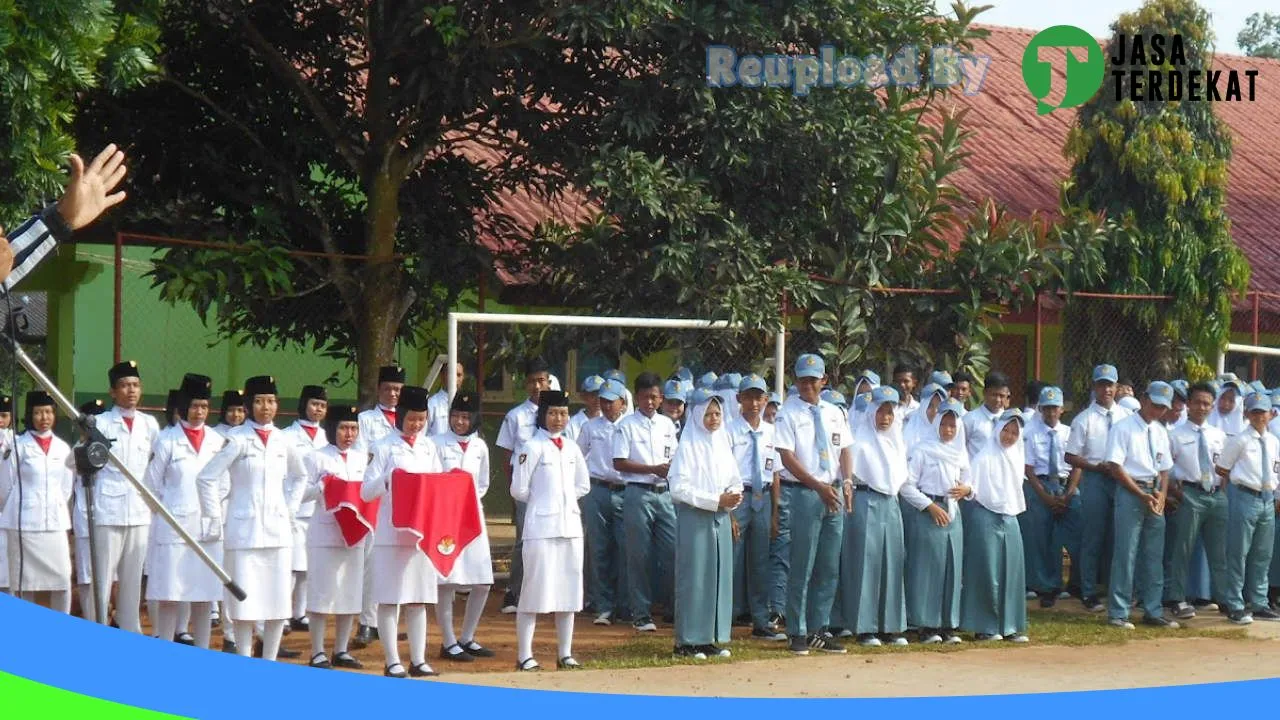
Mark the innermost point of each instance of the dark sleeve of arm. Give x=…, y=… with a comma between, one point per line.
x=33, y=241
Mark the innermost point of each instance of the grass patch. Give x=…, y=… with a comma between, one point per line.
x=1046, y=628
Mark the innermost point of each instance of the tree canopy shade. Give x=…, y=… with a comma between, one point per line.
x=1261, y=36
x=50, y=51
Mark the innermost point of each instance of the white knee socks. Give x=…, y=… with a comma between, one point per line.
x=317, y=622
x=272, y=631
x=184, y=618
x=525, y=623
x=444, y=615
x=388, y=628
x=244, y=638
x=564, y=633
x=165, y=621
x=415, y=617
x=200, y=611
x=475, y=608
x=345, y=623
x=299, y=594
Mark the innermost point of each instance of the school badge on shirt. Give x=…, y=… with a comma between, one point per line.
x=523, y=457
x=835, y=439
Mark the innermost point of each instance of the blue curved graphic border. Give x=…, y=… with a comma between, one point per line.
x=81, y=657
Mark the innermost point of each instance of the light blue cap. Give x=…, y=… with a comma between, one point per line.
x=615, y=374
x=1181, y=388
x=673, y=390
x=870, y=376
x=884, y=394
x=612, y=390
x=707, y=381
x=1106, y=373
x=930, y=390
x=862, y=402
x=1051, y=396
x=835, y=397
x=1257, y=386
x=1011, y=414
x=729, y=381
x=592, y=384
x=774, y=399
x=810, y=366
x=1257, y=402
x=753, y=382
x=1275, y=396
x=1161, y=393
x=941, y=378
x=1129, y=402
x=702, y=395
x=951, y=406
x=685, y=374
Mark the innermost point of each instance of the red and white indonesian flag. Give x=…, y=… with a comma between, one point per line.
x=356, y=518
x=440, y=509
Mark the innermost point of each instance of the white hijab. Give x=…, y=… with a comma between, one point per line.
x=880, y=457
x=1233, y=423
x=997, y=473
x=951, y=457
x=920, y=428
x=704, y=463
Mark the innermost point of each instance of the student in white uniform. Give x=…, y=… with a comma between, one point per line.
x=230, y=415
x=772, y=407
x=1031, y=400
x=919, y=427
x=707, y=487
x=1202, y=512
x=177, y=576
x=757, y=458
x=602, y=509
x=961, y=388
x=1052, y=519
x=517, y=427
x=268, y=479
x=589, y=394
x=550, y=478
x=376, y=423
x=643, y=446
x=336, y=538
x=403, y=575
x=122, y=520
x=1249, y=464
x=438, y=405
x=629, y=401
x=992, y=605
x=1086, y=452
x=673, y=403
x=309, y=435
x=463, y=448
x=904, y=379
x=980, y=424
x=726, y=388
x=1140, y=461
x=35, y=494
x=1228, y=412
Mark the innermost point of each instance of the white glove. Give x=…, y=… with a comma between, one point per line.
x=210, y=529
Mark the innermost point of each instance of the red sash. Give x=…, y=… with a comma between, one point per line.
x=356, y=518
x=440, y=509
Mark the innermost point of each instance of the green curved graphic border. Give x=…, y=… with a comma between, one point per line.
x=25, y=698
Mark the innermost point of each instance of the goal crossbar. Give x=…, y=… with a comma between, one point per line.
x=779, y=356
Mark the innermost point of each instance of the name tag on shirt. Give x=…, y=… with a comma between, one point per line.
x=666, y=452
x=835, y=439
x=768, y=464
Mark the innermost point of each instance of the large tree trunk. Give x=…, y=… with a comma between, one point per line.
x=385, y=296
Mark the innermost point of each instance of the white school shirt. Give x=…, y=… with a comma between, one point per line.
x=1140, y=447
x=1089, y=431
x=595, y=440
x=1038, y=443
x=796, y=432
x=576, y=423
x=647, y=441
x=389, y=454
x=172, y=478
x=45, y=494
x=729, y=401
x=926, y=475
x=549, y=480
x=323, y=530
x=518, y=426
x=904, y=411
x=374, y=426
x=978, y=428
x=115, y=501
x=438, y=413
x=267, y=484
x=306, y=446
x=1184, y=441
x=474, y=460
x=740, y=438
x=1242, y=455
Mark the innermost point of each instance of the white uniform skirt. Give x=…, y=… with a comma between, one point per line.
x=335, y=579
x=300, y=543
x=179, y=575
x=45, y=563
x=403, y=575
x=475, y=565
x=552, y=576
x=264, y=575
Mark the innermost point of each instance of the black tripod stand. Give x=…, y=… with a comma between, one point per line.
x=91, y=456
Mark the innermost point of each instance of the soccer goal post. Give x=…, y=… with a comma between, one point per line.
x=1247, y=361
x=701, y=345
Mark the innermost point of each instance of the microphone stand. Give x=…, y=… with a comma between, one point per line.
x=91, y=457
x=96, y=451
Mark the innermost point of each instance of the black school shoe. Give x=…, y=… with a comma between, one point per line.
x=475, y=649
x=799, y=645
x=456, y=653
x=346, y=660
x=1048, y=599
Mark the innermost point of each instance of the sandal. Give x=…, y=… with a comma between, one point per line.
x=422, y=670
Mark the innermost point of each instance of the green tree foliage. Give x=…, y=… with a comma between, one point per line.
x=1261, y=35
x=1159, y=169
x=50, y=51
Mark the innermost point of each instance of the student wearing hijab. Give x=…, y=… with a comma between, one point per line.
x=335, y=564
x=919, y=427
x=726, y=389
x=403, y=575
x=178, y=577
x=937, y=479
x=992, y=605
x=462, y=447
x=35, y=469
x=872, y=590
x=1052, y=519
x=706, y=487
x=1228, y=412
x=550, y=478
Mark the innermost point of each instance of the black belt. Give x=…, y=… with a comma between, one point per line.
x=1151, y=485
x=1251, y=491
x=613, y=486
x=764, y=488
x=797, y=483
x=651, y=488
x=868, y=488
x=1199, y=488
x=939, y=499
x=1047, y=478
